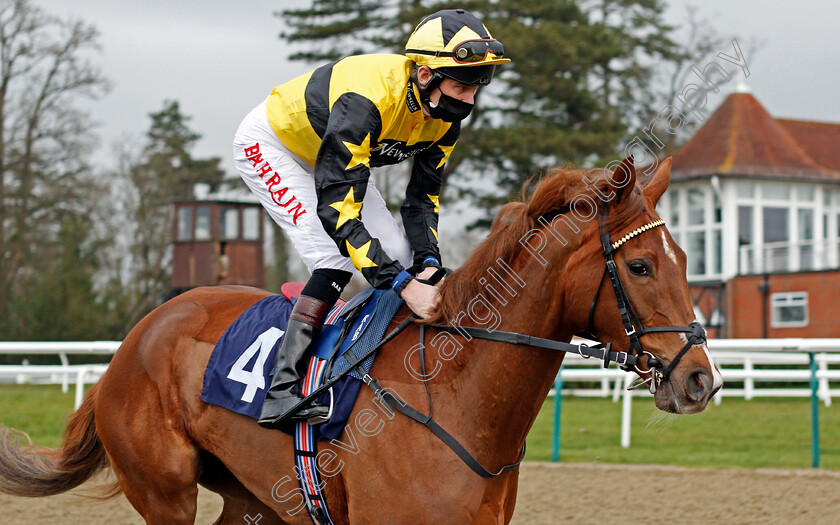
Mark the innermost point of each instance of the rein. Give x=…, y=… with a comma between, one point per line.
x=628, y=361
x=633, y=328
x=602, y=352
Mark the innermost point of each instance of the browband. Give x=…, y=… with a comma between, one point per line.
x=637, y=231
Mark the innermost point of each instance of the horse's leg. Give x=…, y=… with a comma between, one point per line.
x=156, y=465
x=246, y=508
x=240, y=505
x=498, y=501
x=140, y=424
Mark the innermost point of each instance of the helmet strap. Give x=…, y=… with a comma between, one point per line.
x=426, y=89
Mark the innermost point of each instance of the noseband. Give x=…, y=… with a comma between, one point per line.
x=695, y=334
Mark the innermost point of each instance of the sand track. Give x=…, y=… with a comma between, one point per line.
x=573, y=493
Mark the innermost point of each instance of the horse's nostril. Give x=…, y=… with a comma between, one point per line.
x=697, y=385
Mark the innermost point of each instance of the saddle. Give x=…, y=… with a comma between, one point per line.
x=238, y=371
x=348, y=334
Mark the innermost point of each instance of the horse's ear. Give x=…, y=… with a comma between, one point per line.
x=658, y=183
x=623, y=177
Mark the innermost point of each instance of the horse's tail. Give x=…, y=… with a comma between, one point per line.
x=26, y=470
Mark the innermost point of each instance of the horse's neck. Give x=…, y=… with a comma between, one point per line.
x=504, y=385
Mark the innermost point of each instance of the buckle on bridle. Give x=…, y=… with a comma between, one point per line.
x=621, y=359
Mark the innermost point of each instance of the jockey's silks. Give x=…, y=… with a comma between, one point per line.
x=349, y=116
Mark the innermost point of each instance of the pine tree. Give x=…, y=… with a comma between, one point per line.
x=164, y=172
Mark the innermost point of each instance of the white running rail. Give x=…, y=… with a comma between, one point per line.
x=63, y=373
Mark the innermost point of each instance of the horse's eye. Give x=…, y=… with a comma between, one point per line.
x=639, y=268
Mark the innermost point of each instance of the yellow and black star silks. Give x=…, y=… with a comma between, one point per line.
x=359, y=255
x=347, y=209
x=360, y=152
x=349, y=116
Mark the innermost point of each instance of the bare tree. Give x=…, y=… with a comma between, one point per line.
x=150, y=180
x=45, y=139
x=700, y=41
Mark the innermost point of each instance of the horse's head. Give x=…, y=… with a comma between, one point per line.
x=648, y=274
x=584, y=242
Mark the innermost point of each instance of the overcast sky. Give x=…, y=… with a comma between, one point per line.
x=219, y=58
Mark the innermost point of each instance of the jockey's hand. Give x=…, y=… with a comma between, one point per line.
x=427, y=273
x=421, y=298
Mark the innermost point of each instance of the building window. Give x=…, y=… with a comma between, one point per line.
x=805, y=194
x=746, y=190
x=745, y=225
x=696, y=253
x=696, y=226
x=805, y=219
x=229, y=222
x=202, y=223
x=675, y=209
x=806, y=224
x=251, y=224
x=717, y=251
x=789, y=309
x=776, y=191
x=775, y=224
x=184, y=223
x=696, y=207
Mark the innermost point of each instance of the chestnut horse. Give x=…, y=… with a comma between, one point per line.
x=145, y=420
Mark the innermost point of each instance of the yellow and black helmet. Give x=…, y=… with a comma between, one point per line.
x=456, y=44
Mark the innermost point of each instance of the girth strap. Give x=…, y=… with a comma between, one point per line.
x=437, y=430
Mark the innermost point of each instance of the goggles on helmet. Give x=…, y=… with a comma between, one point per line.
x=477, y=50
x=469, y=51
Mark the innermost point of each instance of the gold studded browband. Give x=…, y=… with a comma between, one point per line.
x=637, y=231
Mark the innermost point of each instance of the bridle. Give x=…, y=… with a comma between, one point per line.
x=633, y=328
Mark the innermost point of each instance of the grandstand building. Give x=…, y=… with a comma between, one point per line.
x=755, y=203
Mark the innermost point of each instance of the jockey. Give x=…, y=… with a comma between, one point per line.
x=307, y=150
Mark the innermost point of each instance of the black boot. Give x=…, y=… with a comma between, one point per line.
x=283, y=395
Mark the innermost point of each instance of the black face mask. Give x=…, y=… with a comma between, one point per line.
x=450, y=109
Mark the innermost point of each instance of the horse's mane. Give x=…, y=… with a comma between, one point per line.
x=552, y=195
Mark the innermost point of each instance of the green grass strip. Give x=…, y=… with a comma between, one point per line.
x=761, y=433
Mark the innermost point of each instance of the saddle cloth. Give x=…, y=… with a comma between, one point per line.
x=240, y=366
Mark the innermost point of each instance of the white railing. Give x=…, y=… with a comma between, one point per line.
x=63, y=373
x=52, y=374
x=788, y=256
x=737, y=360
x=736, y=366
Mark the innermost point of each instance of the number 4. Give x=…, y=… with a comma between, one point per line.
x=254, y=378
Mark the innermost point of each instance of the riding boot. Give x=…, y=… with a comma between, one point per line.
x=284, y=394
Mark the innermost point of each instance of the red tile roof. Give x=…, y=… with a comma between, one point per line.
x=820, y=140
x=741, y=138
